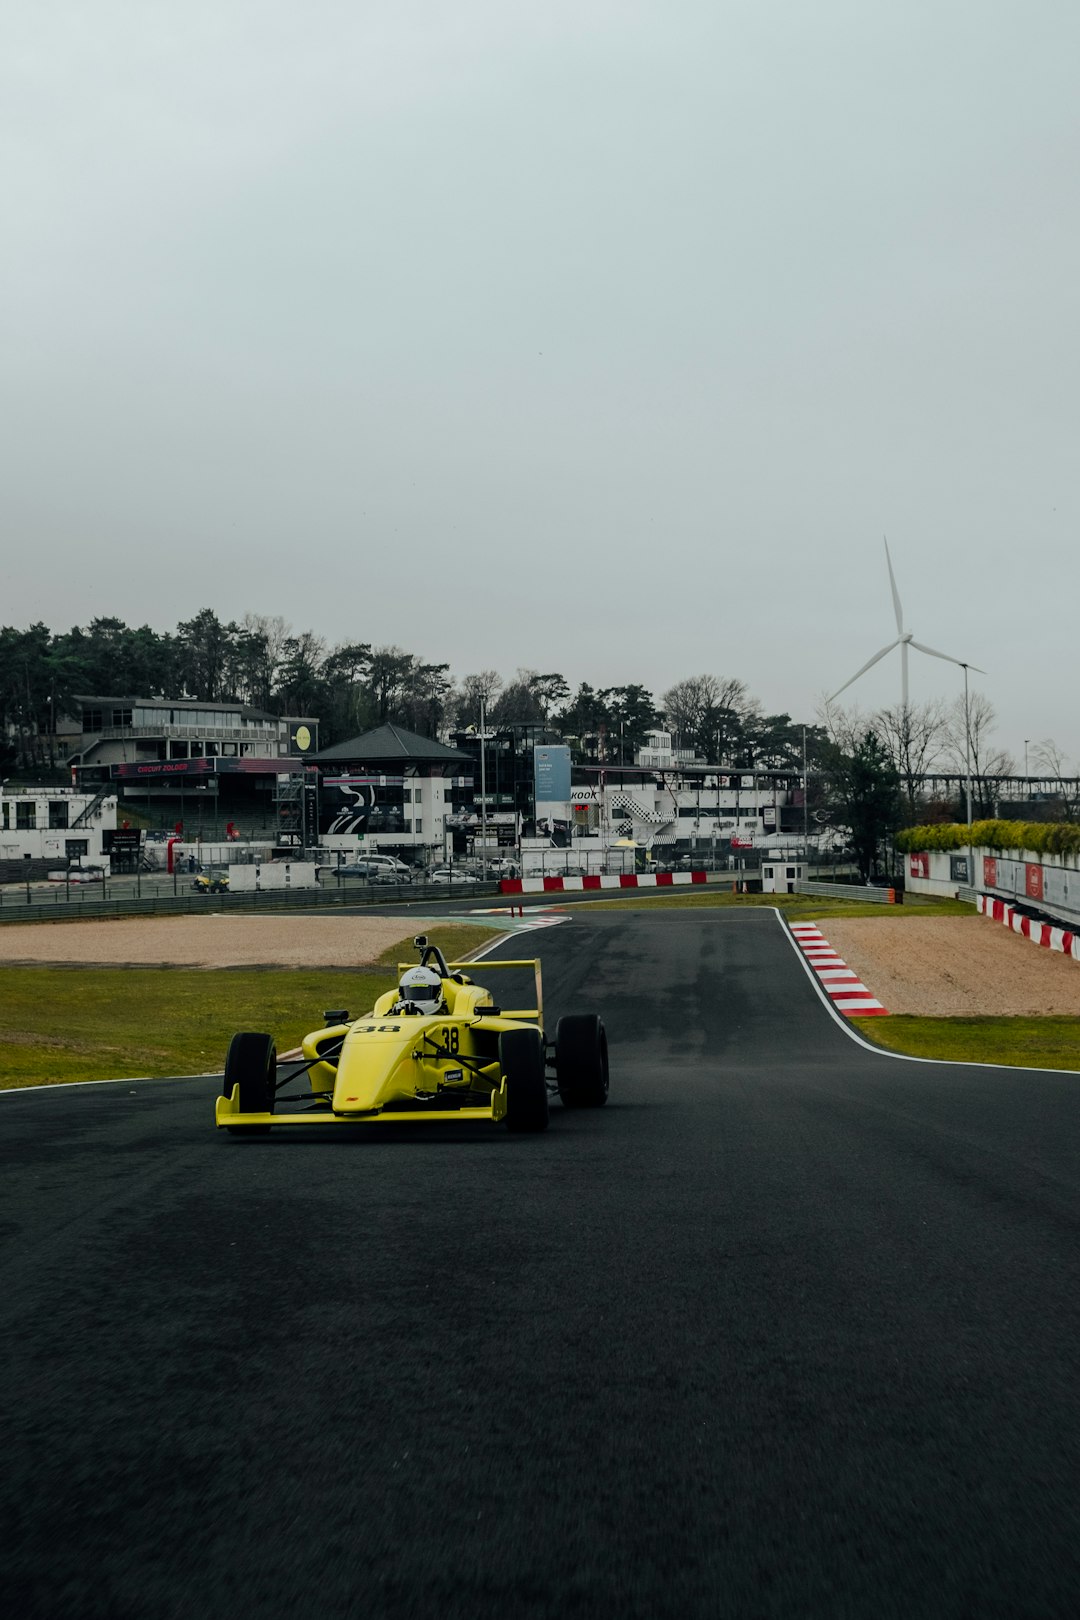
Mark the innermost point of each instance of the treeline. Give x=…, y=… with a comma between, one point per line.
x=351, y=687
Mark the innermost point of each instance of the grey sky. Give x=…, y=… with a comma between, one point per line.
x=600, y=337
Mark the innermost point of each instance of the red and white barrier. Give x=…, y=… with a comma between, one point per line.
x=840, y=983
x=623, y=880
x=1045, y=934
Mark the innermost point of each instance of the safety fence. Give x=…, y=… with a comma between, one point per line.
x=50, y=907
x=849, y=891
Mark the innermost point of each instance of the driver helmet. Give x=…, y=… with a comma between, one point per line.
x=420, y=991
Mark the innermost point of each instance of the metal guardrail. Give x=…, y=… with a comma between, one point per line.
x=53, y=908
x=848, y=891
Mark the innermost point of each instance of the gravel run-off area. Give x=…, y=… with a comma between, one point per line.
x=931, y=966
x=210, y=941
x=955, y=967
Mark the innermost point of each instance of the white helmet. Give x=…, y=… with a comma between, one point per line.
x=420, y=991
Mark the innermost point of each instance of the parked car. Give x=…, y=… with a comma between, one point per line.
x=376, y=869
x=452, y=875
x=390, y=863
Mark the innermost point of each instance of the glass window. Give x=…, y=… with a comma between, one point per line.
x=58, y=812
x=25, y=817
x=75, y=848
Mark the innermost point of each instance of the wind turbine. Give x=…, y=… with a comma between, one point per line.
x=904, y=640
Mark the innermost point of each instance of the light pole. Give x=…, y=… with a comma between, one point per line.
x=805, y=808
x=967, y=746
x=1027, y=792
x=483, y=785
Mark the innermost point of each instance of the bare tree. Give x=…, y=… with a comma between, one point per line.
x=843, y=727
x=485, y=685
x=970, y=731
x=517, y=703
x=914, y=735
x=1050, y=760
x=709, y=712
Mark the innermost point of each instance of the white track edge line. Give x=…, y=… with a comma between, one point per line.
x=881, y=1051
x=844, y=1023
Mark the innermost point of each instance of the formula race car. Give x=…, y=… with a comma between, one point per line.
x=434, y=1048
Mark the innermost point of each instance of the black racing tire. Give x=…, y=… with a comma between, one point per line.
x=581, y=1061
x=252, y=1065
x=521, y=1058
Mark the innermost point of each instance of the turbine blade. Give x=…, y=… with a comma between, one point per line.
x=895, y=593
x=960, y=662
x=870, y=662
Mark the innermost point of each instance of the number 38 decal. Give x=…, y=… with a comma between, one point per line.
x=450, y=1035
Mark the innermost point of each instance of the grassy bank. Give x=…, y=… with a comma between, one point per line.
x=1027, y=1043
x=796, y=907
x=63, y=1024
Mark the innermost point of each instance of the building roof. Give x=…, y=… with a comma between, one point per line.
x=231, y=705
x=390, y=743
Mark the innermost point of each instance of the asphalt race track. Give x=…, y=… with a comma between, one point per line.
x=789, y=1328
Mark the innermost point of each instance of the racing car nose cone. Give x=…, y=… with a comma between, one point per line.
x=375, y=1066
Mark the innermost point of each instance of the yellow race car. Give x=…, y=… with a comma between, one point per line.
x=211, y=883
x=435, y=1048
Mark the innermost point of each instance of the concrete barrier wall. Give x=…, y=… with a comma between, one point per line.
x=273, y=875
x=1049, y=883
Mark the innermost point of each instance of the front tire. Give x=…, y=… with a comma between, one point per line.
x=581, y=1061
x=521, y=1058
x=252, y=1065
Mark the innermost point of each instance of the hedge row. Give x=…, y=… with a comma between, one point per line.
x=1043, y=837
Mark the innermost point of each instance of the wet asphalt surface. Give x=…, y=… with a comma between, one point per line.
x=788, y=1328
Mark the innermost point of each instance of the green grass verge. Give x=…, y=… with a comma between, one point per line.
x=796, y=907
x=1027, y=1043
x=63, y=1024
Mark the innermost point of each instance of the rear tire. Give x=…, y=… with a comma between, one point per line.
x=251, y=1065
x=581, y=1061
x=521, y=1058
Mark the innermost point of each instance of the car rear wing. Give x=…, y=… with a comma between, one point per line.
x=535, y=1014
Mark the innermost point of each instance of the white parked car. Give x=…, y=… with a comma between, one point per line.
x=376, y=868
x=451, y=875
x=78, y=874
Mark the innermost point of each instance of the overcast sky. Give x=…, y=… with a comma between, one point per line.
x=599, y=337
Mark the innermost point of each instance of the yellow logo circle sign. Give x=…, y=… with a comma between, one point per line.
x=303, y=738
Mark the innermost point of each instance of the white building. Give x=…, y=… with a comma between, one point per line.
x=45, y=828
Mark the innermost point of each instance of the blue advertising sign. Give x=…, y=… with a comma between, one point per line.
x=551, y=774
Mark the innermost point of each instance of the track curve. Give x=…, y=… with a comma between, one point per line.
x=788, y=1328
